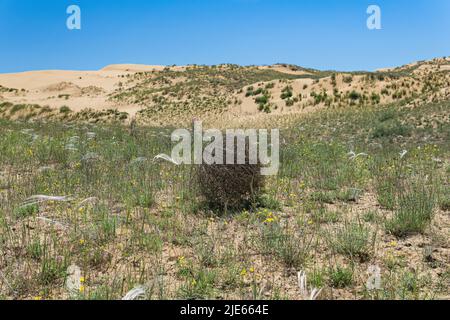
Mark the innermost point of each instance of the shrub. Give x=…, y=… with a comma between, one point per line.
x=387, y=115
x=231, y=186
x=375, y=98
x=17, y=107
x=262, y=100
x=286, y=93
x=289, y=102
x=391, y=128
x=354, y=95
x=348, y=79
x=65, y=109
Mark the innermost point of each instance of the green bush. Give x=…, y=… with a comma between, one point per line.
x=391, y=128
x=65, y=109
x=26, y=211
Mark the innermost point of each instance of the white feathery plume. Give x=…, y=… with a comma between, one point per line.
x=70, y=147
x=90, y=156
x=403, y=154
x=135, y=294
x=45, y=169
x=43, y=198
x=166, y=158
x=87, y=201
x=74, y=139
x=305, y=293
x=352, y=155
x=27, y=131
x=54, y=222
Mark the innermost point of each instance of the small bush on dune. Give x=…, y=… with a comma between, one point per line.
x=65, y=109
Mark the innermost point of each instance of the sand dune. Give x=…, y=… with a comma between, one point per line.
x=121, y=87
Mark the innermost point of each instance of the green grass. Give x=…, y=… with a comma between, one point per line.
x=353, y=240
x=414, y=214
x=134, y=221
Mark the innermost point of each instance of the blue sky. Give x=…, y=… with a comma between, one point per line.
x=324, y=34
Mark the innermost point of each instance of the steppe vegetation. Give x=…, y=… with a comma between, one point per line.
x=363, y=183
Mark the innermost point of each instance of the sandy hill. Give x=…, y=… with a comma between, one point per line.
x=161, y=95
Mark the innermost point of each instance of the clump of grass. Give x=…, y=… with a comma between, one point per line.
x=415, y=212
x=340, y=277
x=199, y=284
x=52, y=269
x=269, y=202
x=322, y=215
x=292, y=248
x=444, y=203
x=386, y=193
x=26, y=211
x=352, y=239
x=391, y=128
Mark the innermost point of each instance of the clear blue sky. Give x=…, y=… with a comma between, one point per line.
x=324, y=34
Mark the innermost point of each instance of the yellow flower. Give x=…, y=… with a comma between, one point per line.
x=244, y=272
x=269, y=220
x=82, y=280
x=252, y=270
x=82, y=289
x=37, y=298
x=82, y=241
x=181, y=260
x=393, y=243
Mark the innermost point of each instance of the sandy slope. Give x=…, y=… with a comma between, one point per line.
x=76, y=89
x=87, y=89
x=92, y=89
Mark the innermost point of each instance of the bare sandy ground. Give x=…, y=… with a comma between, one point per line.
x=76, y=89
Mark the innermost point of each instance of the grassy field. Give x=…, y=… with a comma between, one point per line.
x=358, y=188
